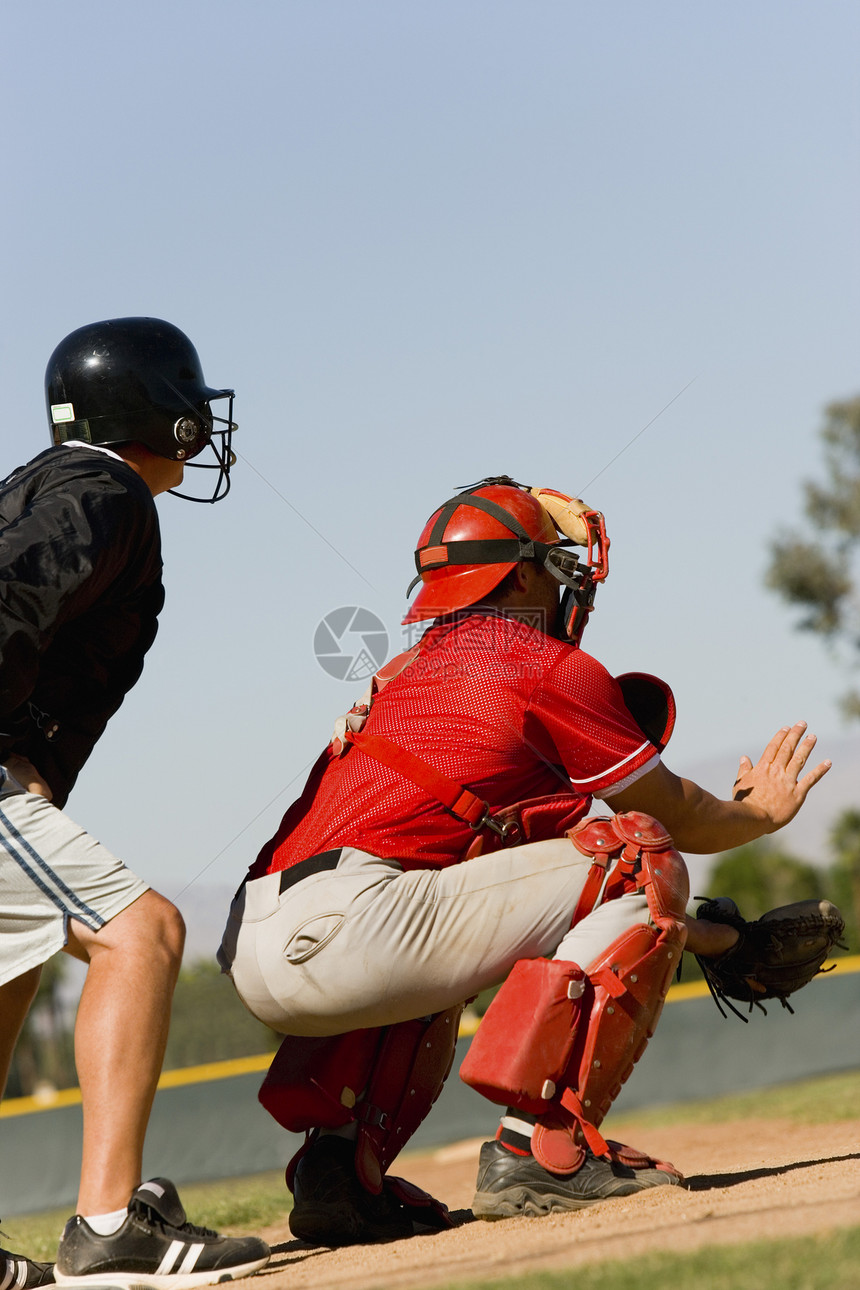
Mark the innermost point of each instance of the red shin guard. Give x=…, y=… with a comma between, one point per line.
x=558, y=1042
x=385, y=1080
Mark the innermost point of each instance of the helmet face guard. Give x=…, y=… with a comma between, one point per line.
x=580, y=588
x=485, y=561
x=219, y=443
x=138, y=380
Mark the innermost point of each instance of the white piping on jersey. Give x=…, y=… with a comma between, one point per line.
x=624, y=761
x=628, y=779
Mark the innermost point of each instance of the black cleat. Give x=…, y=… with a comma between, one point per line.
x=155, y=1248
x=513, y=1186
x=332, y=1208
x=20, y=1273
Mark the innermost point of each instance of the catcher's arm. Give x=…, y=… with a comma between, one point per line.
x=707, y=939
x=765, y=797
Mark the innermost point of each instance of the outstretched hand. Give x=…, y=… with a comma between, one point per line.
x=772, y=786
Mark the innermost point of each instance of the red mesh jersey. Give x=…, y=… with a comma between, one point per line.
x=498, y=706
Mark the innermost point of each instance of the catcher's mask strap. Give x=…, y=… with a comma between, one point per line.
x=478, y=504
x=482, y=551
x=563, y=565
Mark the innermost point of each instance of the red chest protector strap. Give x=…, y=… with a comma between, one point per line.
x=532, y=820
x=648, y=699
x=456, y=798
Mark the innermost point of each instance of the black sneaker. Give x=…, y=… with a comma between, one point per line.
x=512, y=1186
x=19, y=1273
x=155, y=1247
x=332, y=1208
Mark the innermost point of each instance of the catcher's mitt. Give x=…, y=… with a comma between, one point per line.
x=774, y=956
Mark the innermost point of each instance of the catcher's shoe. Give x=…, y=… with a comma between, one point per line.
x=20, y=1273
x=155, y=1247
x=332, y=1208
x=514, y=1186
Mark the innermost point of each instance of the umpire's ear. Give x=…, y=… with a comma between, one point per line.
x=651, y=704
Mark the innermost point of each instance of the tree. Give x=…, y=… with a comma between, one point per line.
x=818, y=573
x=844, y=875
x=45, y=1049
x=209, y=1023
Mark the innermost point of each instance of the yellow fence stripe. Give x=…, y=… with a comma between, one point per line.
x=51, y=1100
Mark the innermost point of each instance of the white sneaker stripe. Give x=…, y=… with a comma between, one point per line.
x=191, y=1258
x=171, y=1257
x=9, y=1273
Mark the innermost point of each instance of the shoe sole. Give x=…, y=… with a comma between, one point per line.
x=166, y=1281
x=323, y=1225
x=318, y=1227
x=522, y=1202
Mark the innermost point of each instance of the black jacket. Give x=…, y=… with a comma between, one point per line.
x=80, y=593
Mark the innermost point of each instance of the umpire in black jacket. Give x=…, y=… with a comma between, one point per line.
x=80, y=594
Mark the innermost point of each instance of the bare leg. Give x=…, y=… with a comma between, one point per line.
x=15, y=999
x=120, y=1037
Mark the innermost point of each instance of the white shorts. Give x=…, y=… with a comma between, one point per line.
x=369, y=944
x=51, y=871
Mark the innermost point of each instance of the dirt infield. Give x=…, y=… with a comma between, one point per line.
x=750, y=1180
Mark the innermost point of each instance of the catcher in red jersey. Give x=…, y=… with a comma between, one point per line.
x=443, y=844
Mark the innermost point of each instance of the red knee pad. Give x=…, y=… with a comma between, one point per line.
x=524, y=1043
x=315, y=1083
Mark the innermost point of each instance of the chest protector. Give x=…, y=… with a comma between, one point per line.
x=648, y=699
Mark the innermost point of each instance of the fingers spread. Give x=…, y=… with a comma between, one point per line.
x=802, y=754
x=774, y=746
x=811, y=779
x=790, y=743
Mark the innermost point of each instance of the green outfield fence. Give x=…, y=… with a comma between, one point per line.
x=207, y=1122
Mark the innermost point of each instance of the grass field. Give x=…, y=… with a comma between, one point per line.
x=830, y=1262
x=824, y=1263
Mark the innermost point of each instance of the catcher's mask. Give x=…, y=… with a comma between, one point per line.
x=471, y=543
x=139, y=380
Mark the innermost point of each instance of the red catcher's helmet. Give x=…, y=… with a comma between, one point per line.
x=472, y=542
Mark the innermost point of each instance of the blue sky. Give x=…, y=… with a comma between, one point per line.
x=426, y=243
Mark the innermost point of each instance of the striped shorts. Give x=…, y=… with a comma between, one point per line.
x=51, y=871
